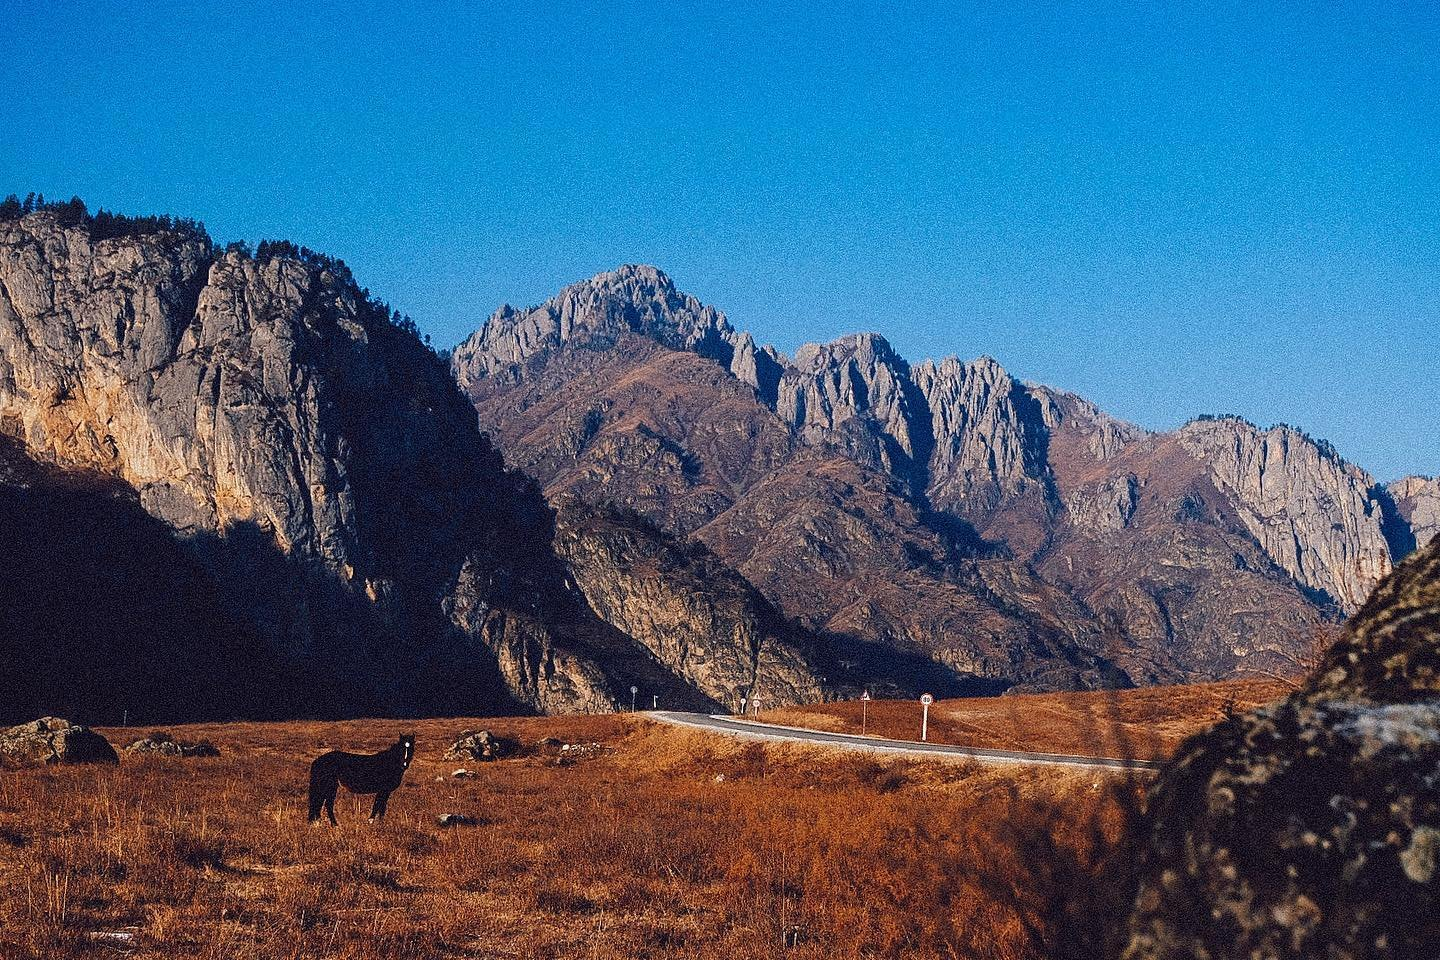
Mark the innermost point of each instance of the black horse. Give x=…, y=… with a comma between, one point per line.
x=377, y=773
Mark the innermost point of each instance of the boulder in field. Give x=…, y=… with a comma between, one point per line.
x=479, y=745
x=163, y=744
x=53, y=740
x=1311, y=827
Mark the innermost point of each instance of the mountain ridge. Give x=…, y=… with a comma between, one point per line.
x=1001, y=468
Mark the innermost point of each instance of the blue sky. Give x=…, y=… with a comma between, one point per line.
x=1231, y=209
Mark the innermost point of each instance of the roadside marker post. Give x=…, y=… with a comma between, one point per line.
x=743, y=701
x=925, y=701
x=864, y=711
x=633, y=690
x=655, y=702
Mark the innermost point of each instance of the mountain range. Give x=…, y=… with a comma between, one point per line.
x=234, y=483
x=1012, y=534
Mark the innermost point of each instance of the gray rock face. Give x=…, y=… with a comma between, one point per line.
x=687, y=609
x=853, y=392
x=1418, y=501
x=274, y=418
x=319, y=462
x=989, y=441
x=634, y=299
x=1105, y=506
x=1311, y=827
x=53, y=740
x=1313, y=512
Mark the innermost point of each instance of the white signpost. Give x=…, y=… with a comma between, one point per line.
x=655, y=702
x=633, y=690
x=925, y=701
x=743, y=701
x=864, y=711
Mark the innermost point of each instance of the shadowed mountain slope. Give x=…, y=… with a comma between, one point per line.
x=293, y=436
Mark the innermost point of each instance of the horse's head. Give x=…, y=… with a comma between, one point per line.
x=407, y=749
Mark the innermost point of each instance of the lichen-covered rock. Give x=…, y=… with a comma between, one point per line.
x=478, y=745
x=160, y=743
x=1311, y=827
x=53, y=740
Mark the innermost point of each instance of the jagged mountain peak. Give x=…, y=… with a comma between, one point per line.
x=632, y=299
x=864, y=348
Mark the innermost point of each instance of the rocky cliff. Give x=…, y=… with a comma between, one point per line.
x=830, y=479
x=1417, y=500
x=1311, y=827
x=687, y=608
x=1317, y=515
x=313, y=458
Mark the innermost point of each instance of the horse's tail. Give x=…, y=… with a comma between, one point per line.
x=322, y=785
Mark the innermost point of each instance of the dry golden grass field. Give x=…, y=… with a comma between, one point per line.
x=661, y=843
x=1144, y=724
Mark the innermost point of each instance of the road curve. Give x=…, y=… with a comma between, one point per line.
x=754, y=730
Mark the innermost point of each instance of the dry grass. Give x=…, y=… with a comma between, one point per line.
x=667, y=844
x=1146, y=724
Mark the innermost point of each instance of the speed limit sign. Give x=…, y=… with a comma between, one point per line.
x=925, y=701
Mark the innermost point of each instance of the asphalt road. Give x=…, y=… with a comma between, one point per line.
x=754, y=730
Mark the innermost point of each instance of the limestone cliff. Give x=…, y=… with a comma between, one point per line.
x=294, y=438
x=688, y=609
x=1313, y=512
x=1417, y=500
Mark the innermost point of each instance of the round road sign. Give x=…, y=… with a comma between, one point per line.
x=926, y=699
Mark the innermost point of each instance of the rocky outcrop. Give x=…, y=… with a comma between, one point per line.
x=1311, y=827
x=1417, y=500
x=688, y=609
x=159, y=743
x=1105, y=506
x=478, y=745
x=53, y=740
x=633, y=299
x=853, y=392
x=312, y=453
x=989, y=440
x=1313, y=512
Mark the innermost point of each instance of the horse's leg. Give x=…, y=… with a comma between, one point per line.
x=330, y=804
x=377, y=810
x=321, y=785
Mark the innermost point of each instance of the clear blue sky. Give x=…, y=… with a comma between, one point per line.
x=1232, y=209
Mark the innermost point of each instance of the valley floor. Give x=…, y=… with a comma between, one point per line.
x=656, y=842
x=1142, y=724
